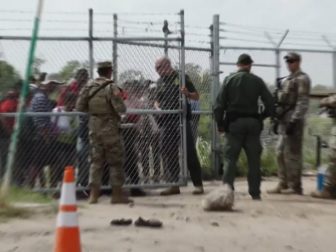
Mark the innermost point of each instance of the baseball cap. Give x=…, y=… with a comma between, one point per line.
x=52, y=78
x=104, y=64
x=293, y=56
x=244, y=59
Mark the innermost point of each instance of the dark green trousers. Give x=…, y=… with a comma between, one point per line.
x=244, y=133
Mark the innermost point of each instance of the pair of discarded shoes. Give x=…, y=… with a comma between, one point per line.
x=140, y=222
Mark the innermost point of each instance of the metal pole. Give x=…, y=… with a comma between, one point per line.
x=334, y=68
x=215, y=87
x=318, y=151
x=166, y=44
x=278, y=54
x=23, y=95
x=115, y=48
x=184, y=102
x=277, y=63
x=91, y=60
x=326, y=39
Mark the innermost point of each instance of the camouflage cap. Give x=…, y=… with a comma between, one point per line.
x=293, y=56
x=244, y=59
x=104, y=64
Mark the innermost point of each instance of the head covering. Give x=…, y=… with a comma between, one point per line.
x=52, y=78
x=244, y=59
x=293, y=56
x=104, y=64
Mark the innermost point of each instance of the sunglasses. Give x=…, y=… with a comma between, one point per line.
x=291, y=61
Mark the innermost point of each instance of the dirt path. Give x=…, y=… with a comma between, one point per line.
x=278, y=223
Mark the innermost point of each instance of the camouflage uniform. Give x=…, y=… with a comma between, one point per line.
x=294, y=100
x=329, y=189
x=106, y=144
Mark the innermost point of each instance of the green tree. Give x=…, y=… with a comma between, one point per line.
x=68, y=71
x=130, y=75
x=38, y=62
x=8, y=76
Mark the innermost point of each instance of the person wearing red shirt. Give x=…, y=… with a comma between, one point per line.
x=7, y=105
x=75, y=86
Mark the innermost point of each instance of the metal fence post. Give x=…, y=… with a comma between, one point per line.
x=278, y=53
x=115, y=48
x=215, y=144
x=91, y=60
x=184, y=101
x=334, y=68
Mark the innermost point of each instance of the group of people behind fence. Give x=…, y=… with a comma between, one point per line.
x=134, y=147
x=52, y=138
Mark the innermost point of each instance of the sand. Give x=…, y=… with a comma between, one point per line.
x=278, y=223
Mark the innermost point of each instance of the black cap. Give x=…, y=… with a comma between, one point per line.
x=244, y=59
x=293, y=56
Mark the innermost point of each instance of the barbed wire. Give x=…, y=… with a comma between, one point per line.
x=249, y=27
x=139, y=22
x=139, y=13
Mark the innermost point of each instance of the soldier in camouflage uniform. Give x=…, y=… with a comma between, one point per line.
x=293, y=99
x=101, y=99
x=329, y=189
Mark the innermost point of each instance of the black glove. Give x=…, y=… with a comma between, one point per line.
x=290, y=129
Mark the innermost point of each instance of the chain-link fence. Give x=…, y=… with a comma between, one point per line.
x=155, y=136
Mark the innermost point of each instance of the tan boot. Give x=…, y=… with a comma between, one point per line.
x=276, y=190
x=171, y=191
x=94, y=194
x=198, y=190
x=321, y=195
x=119, y=197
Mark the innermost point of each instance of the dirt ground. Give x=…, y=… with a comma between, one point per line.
x=278, y=223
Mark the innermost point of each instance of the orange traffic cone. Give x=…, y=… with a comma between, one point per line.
x=67, y=233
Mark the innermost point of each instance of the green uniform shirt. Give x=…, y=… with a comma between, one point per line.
x=241, y=93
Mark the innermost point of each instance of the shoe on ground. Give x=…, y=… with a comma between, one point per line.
x=152, y=223
x=198, y=190
x=121, y=222
x=171, y=191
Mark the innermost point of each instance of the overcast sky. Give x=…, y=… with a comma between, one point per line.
x=303, y=17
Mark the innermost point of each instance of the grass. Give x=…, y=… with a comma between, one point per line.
x=315, y=125
x=17, y=196
x=8, y=211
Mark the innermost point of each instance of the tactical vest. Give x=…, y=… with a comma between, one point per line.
x=100, y=103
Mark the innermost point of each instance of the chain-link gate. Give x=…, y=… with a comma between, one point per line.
x=54, y=136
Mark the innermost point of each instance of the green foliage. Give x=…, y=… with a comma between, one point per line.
x=69, y=70
x=202, y=82
x=24, y=195
x=204, y=153
x=38, y=62
x=8, y=76
x=130, y=75
x=17, y=196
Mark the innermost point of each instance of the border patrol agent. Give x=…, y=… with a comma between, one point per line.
x=237, y=115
